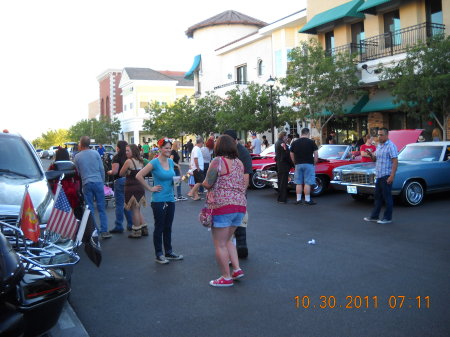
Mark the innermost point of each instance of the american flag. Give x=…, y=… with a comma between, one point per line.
x=62, y=220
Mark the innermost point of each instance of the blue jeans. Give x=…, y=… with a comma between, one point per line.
x=163, y=213
x=178, y=173
x=119, y=195
x=383, y=193
x=93, y=191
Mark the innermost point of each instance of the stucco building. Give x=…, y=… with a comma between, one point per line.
x=140, y=87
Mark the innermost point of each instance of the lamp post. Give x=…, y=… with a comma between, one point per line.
x=271, y=83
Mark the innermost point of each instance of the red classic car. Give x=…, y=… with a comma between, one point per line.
x=330, y=157
x=258, y=161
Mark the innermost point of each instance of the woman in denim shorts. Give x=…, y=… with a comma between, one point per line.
x=226, y=197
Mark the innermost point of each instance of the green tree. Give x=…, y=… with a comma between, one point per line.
x=248, y=108
x=320, y=81
x=421, y=81
x=203, y=118
x=168, y=121
x=51, y=138
x=103, y=131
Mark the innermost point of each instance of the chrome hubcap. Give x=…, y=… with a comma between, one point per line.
x=414, y=193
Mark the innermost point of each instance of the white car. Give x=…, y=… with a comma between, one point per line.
x=51, y=151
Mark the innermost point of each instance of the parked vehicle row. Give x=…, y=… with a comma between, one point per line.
x=424, y=168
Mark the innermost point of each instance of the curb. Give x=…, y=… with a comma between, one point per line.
x=68, y=324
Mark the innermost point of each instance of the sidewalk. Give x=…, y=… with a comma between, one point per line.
x=68, y=325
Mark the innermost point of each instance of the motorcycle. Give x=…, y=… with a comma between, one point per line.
x=34, y=283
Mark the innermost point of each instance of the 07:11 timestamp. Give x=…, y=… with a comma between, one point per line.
x=362, y=302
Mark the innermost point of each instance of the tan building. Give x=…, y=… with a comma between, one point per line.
x=94, y=109
x=379, y=32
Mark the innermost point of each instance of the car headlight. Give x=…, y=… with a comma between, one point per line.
x=336, y=175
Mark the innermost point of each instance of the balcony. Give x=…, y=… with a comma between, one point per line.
x=390, y=43
x=231, y=84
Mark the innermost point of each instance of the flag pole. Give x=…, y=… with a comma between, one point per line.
x=82, y=227
x=19, y=218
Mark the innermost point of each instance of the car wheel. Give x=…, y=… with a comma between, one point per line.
x=412, y=194
x=255, y=183
x=320, y=186
x=360, y=197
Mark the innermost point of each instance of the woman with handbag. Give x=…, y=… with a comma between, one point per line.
x=163, y=200
x=226, y=200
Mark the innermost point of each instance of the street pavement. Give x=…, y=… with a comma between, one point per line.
x=357, y=267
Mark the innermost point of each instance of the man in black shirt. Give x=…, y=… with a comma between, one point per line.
x=241, y=232
x=283, y=161
x=304, y=154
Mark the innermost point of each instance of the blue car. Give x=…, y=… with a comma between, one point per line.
x=423, y=168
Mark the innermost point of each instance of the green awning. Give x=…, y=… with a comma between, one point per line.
x=343, y=11
x=381, y=101
x=190, y=74
x=369, y=6
x=352, y=108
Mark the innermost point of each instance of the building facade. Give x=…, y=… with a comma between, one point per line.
x=142, y=86
x=379, y=32
x=234, y=49
x=110, y=93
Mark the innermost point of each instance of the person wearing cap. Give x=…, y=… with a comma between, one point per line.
x=241, y=231
x=256, y=144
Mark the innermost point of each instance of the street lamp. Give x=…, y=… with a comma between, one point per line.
x=271, y=82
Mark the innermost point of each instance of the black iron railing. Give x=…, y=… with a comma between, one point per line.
x=390, y=43
x=230, y=84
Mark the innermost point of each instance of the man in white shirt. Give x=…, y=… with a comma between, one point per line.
x=197, y=167
x=256, y=144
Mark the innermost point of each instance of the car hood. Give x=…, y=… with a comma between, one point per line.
x=12, y=193
x=401, y=138
x=362, y=167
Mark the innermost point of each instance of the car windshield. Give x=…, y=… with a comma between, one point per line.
x=269, y=150
x=332, y=151
x=108, y=148
x=17, y=159
x=420, y=153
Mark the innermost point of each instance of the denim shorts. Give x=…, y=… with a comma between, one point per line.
x=304, y=174
x=227, y=220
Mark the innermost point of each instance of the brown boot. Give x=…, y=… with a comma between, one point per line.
x=144, y=230
x=136, y=232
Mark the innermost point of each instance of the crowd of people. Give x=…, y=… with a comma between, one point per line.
x=222, y=166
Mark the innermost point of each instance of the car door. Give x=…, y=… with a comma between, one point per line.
x=438, y=172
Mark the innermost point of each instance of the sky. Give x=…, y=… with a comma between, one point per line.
x=53, y=50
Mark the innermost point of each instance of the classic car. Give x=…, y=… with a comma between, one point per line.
x=423, y=168
x=330, y=157
x=258, y=161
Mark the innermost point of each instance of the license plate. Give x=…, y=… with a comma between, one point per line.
x=352, y=190
x=275, y=185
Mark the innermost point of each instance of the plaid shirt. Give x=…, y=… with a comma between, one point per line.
x=385, y=153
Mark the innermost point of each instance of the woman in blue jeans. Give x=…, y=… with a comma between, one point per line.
x=119, y=188
x=163, y=200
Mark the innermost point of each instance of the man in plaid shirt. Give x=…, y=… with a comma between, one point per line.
x=386, y=166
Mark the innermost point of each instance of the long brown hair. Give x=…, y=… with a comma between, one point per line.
x=135, y=153
x=226, y=146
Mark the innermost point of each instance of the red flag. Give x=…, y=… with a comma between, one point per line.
x=29, y=221
x=62, y=220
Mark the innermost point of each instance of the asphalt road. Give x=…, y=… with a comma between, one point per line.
x=373, y=277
